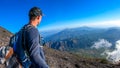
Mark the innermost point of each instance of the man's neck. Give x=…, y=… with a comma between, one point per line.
x=33, y=23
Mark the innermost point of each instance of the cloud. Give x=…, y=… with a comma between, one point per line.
x=114, y=23
x=101, y=43
x=114, y=56
x=98, y=24
x=74, y=24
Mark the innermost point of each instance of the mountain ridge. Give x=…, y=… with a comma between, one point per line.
x=84, y=35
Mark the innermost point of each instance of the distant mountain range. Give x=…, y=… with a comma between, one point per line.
x=49, y=32
x=83, y=37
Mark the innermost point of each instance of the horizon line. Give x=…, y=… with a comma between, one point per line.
x=100, y=24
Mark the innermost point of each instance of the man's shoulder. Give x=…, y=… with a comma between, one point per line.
x=31, y=29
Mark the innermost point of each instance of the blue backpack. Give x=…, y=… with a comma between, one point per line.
x=17, y=42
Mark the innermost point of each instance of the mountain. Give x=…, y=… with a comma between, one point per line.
x=83, y=37
x=71, y=33
x=49, y=32
x=4, y=36
x=83, y=40
x=63, y=59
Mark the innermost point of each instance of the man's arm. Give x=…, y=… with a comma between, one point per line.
x=34, y=48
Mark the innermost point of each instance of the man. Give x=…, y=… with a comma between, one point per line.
x=32, y=41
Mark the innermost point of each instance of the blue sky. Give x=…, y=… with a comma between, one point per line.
x=61, y=13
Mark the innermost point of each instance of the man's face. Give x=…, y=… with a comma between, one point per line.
x=39, y=18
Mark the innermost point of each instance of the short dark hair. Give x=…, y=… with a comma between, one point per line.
x=34, y=12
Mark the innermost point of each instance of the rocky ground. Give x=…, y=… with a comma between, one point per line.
x=57, y=59
x=4, y=36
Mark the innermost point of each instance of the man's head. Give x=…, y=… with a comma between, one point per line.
x=35, y=14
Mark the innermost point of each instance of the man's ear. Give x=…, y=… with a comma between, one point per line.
x=38, y=17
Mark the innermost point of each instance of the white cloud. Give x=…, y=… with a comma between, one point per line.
x=99, y=24
x=114, y=56
x=115, y=23
x=102, y=43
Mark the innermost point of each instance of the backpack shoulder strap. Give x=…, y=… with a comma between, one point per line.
x=24, y=29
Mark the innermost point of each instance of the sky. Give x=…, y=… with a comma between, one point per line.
x=60, y=14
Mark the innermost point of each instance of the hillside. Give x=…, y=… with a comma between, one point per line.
x=58, y=59
x=4, y=36
x=83, y=37
x=62, y=59
x=85, y=41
